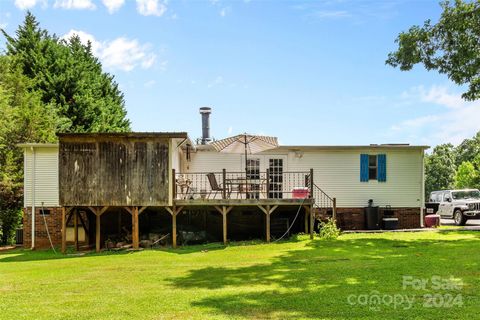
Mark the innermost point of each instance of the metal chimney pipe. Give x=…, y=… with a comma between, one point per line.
x=205, y=112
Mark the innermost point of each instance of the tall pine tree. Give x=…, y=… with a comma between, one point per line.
x=67, y=74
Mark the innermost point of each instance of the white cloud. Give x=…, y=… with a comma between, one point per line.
x=224, y=11
x=121, y=53
x=230, y=130
x=113, y=5
x=151, y=7
x=126, y=54
x=217, y=81
x=331, y=14
x=75, y=4
x=84, y=38
x=27, y=4
x=439, y=95
x=455, y=121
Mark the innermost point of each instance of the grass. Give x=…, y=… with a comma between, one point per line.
x=297, y=279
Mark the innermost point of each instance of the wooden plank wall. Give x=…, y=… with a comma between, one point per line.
x=113, y=171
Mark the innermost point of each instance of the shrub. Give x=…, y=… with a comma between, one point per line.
x=329, y=230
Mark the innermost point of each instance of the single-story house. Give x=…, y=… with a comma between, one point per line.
x=104, y=186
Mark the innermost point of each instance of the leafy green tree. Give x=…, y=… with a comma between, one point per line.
x=468, y=149
x=466, y=176
x=68, y=75
x=440, y=168
x=48, y=85
x=451, y=46
x=23, y=117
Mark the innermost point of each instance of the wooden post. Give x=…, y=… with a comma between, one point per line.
x=312, y=221
x=97, y=232
x=75, y=229
x=224, y=185
x=98, y=213
x=174, y=211
x=64, y=231
x=224, y=210
x=311, y=183
x=268, y=184
x=174, y=184
x=224, y=214
x=135, y=228
x=174, y=230
x=267, y=222
x=268, y=210
x=334, y=213
x=307, y=214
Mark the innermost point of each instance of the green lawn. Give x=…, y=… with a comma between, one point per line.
x=298, y=279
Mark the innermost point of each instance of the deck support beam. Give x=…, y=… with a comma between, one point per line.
x=64, y=230
x=312, y=221
x=334, y=208
x=174, y=211
x=224, y=210
x=65, y=212
x=135, y=229
x=75, y=229
x=268, y=210
x=97, y=232
x=98, y=211
x=307, y=216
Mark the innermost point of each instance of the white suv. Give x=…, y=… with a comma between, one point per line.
x=459, y=205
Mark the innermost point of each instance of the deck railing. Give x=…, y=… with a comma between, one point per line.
x=325, y=206
x=240, y=185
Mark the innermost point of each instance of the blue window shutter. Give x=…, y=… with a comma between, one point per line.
x=364, y=167
x=382, y=168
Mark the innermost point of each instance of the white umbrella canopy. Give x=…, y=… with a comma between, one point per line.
x=245, y=143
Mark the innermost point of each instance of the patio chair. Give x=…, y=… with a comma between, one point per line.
x=214, y=186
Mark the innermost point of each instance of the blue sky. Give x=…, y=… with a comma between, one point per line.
x=308, y=72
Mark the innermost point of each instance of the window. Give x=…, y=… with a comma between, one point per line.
x=253, y=173
x=253, y=168
x=446, y=196
x=435, y=197
x=372, y=167
x=45, y=212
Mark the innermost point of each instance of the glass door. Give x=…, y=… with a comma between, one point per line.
x=275, y=166
x=253, y=177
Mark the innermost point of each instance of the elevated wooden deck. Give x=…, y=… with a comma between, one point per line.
x=242, y=202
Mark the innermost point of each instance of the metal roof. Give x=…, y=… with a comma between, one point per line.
x=183, y=135
x=333, y=147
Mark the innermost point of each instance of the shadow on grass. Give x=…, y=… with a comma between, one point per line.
x=19, y=255
x=316, y=282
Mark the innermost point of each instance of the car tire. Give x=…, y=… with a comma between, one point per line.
x=459, y=218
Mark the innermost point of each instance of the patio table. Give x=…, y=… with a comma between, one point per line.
x=247, y=186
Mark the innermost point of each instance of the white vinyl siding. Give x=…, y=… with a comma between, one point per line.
x=45, y=177
x=337, y=172
x=211, y=161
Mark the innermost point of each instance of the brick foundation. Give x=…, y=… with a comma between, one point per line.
x=354, y=218
x=54, y=222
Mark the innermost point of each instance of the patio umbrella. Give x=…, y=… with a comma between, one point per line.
x=245, y=143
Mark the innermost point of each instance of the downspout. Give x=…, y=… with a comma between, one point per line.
x=33, y=197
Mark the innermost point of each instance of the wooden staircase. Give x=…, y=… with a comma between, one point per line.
x=325, y=207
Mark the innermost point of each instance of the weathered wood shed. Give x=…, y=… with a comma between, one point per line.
x=116, y=169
